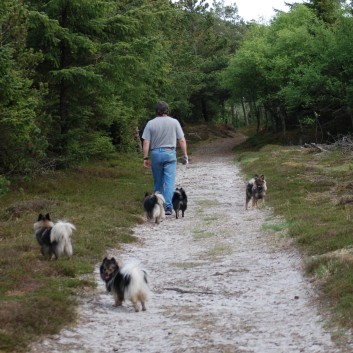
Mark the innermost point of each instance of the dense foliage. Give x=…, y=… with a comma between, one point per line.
x=80, y=78
x=297, y=71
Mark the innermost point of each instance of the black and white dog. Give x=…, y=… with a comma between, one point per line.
x=128, y=281
x=154, y=206
x=54, y=239
x=179, y=201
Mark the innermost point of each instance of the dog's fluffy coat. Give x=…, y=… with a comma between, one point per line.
x=127, y=281
x=54, y=239
x=154, y=206
x=179, y=201
x=255, y=190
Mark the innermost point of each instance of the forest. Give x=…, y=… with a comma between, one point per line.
x=80, y=78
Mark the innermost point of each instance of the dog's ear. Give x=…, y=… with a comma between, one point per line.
x=47, y=217
x=262, y=177
x=40, y=217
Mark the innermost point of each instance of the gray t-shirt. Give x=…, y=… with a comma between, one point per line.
x=163, y=131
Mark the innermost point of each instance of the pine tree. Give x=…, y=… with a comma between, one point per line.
x=21, y=141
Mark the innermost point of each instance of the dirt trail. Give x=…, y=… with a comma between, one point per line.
x=219, y=282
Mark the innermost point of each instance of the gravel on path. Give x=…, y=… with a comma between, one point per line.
x=219, y=282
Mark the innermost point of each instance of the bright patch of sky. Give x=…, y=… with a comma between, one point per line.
x=260, y=10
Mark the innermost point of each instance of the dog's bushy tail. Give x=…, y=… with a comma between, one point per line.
x=149, y=204
x=61, y=233
x=183, y=194
x=177, y=196
x=138, y=280
x=154, y=205
x=160, y=199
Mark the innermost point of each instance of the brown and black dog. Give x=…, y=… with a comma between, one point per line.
x=255, y=190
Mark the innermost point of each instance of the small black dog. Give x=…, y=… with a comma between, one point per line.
x=179, y=201
x=125, y=282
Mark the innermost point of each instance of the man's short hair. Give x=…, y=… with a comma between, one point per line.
x=162, y=108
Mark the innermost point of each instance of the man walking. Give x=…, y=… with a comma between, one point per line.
x=160, y=136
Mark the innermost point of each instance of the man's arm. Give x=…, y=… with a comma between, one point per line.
x=183, y=146
x=146, y=149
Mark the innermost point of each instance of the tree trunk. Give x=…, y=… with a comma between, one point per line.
x=234, y=115
x=244, y=111
x=204, y=111
x=282, y=114
x=257, y=115
x=63, y=111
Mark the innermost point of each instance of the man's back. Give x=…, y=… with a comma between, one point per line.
x=163, y=132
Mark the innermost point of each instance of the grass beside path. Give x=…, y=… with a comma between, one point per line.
x=103, y=200
x=313, y=192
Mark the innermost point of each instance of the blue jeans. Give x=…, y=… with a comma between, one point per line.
x=163, y=164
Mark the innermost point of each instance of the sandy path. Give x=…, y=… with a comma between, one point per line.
x=219, y=282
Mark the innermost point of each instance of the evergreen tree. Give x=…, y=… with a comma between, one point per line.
x=67, y=33
x=104, y=64
x=21, y=143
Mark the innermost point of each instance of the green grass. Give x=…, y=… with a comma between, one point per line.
x=103, y=200
x=199, y=233
x=186, y=264
x=313, y=193
x=218, y=251
x=275, y=227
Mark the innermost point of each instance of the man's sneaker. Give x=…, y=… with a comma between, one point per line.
x=168, y=212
